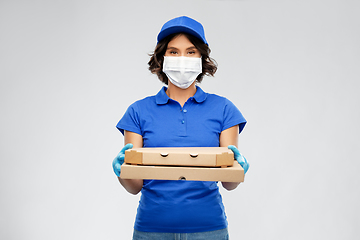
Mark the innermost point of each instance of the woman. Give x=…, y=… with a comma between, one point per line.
x=180, y=115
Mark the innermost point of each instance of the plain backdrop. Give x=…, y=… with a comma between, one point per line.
x=69, y=70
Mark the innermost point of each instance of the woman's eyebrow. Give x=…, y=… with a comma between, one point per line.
x=189, y=48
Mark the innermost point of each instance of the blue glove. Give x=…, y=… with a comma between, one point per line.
x=119, y=160
x=240, y=158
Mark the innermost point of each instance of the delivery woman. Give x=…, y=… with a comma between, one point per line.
x=180, y=115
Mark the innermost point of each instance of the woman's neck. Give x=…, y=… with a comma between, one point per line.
x=180, y=95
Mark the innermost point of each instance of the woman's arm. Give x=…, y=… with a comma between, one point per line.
x=133, y=186
x=229, y=137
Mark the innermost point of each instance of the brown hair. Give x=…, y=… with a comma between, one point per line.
x=209, y=65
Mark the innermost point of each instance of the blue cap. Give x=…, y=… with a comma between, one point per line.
x=182, y=24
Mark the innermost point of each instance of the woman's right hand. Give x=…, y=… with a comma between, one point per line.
x=119, y=160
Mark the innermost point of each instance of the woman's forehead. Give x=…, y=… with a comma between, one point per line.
x=180, y=41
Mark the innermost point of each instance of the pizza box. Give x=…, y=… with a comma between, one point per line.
x=234, y=173
x=188, y=156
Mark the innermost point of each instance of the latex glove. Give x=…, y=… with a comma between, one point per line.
x=119, y=160
x=239, y=158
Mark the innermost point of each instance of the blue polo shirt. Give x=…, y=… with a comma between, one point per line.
x=180, y=206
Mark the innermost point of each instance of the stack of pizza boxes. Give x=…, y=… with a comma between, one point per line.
x=193, y=164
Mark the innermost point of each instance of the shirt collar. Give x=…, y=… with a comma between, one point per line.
x=200, y=95
x=163, y=98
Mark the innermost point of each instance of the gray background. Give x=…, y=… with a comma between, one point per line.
x=69, y=70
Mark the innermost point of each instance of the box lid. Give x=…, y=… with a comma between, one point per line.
x=188, y=156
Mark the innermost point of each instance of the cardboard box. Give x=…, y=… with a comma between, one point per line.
x=234, y=173
x=190, y=156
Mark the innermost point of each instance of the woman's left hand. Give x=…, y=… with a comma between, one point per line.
x=239, y=158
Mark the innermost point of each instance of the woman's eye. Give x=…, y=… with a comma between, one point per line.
x=173, y=52
x=192, y=52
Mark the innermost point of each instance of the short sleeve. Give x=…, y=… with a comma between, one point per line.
x=232, y=116
x=130, y=121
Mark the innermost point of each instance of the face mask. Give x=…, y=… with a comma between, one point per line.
x=182, y=71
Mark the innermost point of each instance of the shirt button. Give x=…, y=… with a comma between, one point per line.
x=182, y=121
x=185, y=110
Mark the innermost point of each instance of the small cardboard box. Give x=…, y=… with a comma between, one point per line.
x=234, y=173
x=190, y=156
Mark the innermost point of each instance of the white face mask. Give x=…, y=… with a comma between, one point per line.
x=182, y=71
